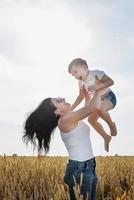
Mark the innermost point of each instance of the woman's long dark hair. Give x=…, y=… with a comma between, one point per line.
x=40, y=124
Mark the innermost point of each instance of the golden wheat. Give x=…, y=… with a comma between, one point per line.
x=33, y=178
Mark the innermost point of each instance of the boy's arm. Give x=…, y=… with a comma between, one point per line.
x=78, y=99
x=105, y=82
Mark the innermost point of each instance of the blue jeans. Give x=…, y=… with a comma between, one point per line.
x=111, y=97
x=89, y=182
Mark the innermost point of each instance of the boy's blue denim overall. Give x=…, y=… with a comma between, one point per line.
x=87, y=168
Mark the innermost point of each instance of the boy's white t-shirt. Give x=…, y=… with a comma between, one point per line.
x=91, y=80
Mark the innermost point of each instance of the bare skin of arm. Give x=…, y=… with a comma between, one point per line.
x=87, y=98
x=71, y=119
x=82, y=94
x=78, y=99
x=105, y=82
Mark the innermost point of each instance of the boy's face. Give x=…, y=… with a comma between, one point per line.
x=79, y=72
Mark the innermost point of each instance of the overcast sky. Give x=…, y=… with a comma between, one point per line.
x=38, y=39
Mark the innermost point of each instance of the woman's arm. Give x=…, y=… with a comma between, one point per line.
x=78, y=99
x=73, y=117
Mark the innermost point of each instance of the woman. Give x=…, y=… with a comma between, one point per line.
x=40, y=124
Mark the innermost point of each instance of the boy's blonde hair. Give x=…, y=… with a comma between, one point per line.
x=76, y=62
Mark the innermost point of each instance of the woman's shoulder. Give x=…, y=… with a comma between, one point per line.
x=66, y=125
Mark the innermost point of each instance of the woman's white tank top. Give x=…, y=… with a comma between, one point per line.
x=78, y=142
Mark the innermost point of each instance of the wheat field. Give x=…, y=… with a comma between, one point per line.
x=41, y=178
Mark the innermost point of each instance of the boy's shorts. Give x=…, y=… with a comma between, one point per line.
x=111, y=97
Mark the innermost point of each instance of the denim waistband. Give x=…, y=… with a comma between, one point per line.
x=86, y=161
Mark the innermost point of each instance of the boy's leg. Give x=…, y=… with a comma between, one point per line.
x=99, y=128
x=103, y=113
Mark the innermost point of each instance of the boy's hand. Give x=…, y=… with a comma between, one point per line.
x=92, y=88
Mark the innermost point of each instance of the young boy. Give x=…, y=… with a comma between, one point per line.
x=91, y=83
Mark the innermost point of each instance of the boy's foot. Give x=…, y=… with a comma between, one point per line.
x=106, y=142
x=113, y=130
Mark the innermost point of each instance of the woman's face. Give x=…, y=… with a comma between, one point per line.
x=61, y=104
